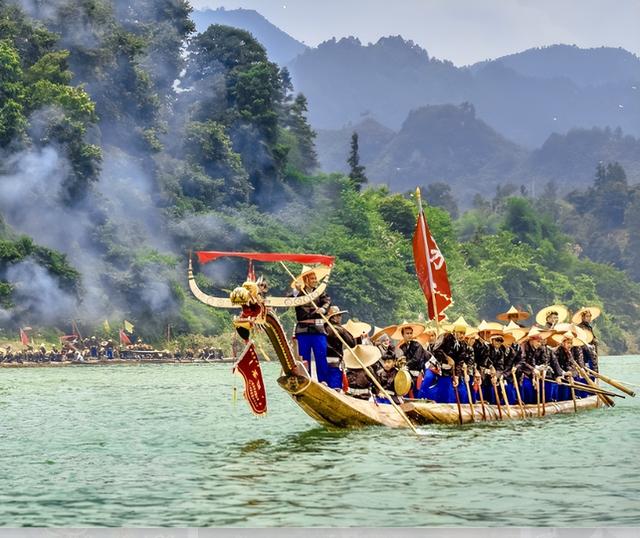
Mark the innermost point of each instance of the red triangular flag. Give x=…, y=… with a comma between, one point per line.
x=431, y=270
x=249, y=367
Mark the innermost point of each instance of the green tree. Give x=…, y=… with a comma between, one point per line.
x=356, y=170
x=439, y=194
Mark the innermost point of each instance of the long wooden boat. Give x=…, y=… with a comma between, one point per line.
x=336, y=409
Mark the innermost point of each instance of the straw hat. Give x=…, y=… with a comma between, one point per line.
x=536, y=332
x=595, y=312
x=508, y=338
x=320, y=270
x=378, y=332
x=559, y=337
x=368, y=355
x=356, y=328
x=334, y=311
x=513, y=313
x=460, y=325
x=563, y=313
x=418, y=328
x=515, y=330
x=578, y=332
x=402, y=382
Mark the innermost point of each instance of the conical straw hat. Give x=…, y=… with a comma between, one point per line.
x=357, y=328
x=368, y=355
x=541, y=317
x=418, y=328
x=320, y=270
x=557, y=339
x=513, y=313
x=379, y=331
x=595, y=312
x=515, y=330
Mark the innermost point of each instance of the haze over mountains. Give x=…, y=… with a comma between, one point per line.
x=547, y=114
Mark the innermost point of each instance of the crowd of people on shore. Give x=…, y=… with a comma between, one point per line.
x=494, y=363
x=92, y=349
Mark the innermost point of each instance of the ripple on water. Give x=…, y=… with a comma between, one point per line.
x=164, y=445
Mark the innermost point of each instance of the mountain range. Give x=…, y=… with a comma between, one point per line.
x=543, y=114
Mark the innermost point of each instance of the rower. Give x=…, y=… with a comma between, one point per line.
x=412, y=351
x=360, y=383
x=336, y=334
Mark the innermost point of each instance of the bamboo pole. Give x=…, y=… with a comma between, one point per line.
x=366, y=370
x=536, y=377
x=587, y=388
x=613, y=382
x=515, y=384
x=603, y=397
x=427, y=253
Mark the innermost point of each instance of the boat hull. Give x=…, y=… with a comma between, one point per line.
x=335, y=409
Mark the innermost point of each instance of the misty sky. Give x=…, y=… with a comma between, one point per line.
x=463, y=31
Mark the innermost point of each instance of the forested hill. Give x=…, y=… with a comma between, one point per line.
x=521, y=96
x=281, y=47
x=128, y=140
x=447, y=143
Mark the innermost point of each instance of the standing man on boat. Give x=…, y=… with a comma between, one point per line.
x=336, y=334
x=583, y=318
x=310, y=332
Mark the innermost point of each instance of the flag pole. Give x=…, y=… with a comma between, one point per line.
x=426, y=249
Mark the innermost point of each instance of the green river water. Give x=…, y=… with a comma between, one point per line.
x=163, y=445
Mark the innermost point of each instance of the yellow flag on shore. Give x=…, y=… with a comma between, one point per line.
x=106, y=326
x=128, y=326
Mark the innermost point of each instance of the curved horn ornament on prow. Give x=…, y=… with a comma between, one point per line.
x=217, y=302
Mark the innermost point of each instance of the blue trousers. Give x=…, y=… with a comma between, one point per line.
x=334, y=375
x=318, y=343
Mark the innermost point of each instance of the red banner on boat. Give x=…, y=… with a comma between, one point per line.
x=210, y=255
x=431, y=270
x=249, y=367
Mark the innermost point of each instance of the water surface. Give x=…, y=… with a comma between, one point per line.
x=157, y=445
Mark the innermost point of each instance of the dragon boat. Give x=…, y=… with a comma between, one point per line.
x=339, y=410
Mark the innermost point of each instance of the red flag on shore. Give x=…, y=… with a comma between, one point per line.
x=249, y=367
x=431, y=270
x=24, y=338
x=124, y=339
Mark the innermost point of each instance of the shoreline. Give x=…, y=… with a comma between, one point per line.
x=113, y=362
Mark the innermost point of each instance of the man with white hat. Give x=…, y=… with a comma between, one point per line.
x=310, y=332
x=583, y=318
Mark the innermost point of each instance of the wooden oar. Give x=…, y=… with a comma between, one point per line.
x=573, y=393
x=536, y=379
x=504, y=394
x=484, y=411
x=515, y=384
x=544, y=398
x=366, y=370
x=466, y=382
x=455, y=390
x=494, y=382
x=587, y=388
x=613, y=382
x=603, y=397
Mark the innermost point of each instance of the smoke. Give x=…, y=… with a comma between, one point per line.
x=37, y=293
